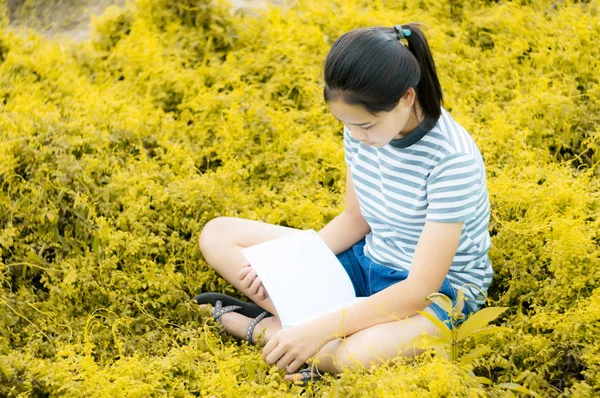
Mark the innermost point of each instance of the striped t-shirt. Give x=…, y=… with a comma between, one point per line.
x=436, y=175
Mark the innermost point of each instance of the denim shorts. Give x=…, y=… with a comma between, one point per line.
x=369, y=278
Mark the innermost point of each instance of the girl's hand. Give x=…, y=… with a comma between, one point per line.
x=252, y=282
x=290, y=348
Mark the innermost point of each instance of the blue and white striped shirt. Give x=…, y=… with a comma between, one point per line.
x=436, y=175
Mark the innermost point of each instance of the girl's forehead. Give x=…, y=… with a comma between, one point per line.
x=351, y=114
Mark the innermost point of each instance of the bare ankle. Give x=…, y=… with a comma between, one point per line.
x=265, y=330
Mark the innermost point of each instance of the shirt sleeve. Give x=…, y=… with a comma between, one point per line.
x=350, y=145
x=453, y=189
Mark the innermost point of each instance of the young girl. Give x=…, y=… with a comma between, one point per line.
x=415, y=220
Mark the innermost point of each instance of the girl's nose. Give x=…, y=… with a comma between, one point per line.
x=357, y=133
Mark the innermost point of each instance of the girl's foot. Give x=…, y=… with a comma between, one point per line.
x=237, y=324
x=304, y=376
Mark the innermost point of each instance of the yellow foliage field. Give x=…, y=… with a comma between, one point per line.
x=115, y=152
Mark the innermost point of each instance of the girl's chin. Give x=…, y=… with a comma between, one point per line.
x=374, y=144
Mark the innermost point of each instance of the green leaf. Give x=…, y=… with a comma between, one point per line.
x=490, y=330
x=33, y=258
x=478, y=320
x=95, y=244
x=251, y=369
x=518, y=388
x=460, y=302
x=439, y=324
x=442, y=300
x=483, y=380
x=51, y=217
x=472, y=355
x=420, y=341
x=427, y=341
x=11, y=320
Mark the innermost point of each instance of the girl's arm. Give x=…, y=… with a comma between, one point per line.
x=350, y=226
x=339, y=234
x=433, y=256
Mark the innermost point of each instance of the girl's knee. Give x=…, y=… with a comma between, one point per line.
x=369, y=347
x=214, y=231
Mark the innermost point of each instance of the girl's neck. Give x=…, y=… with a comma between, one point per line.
x=416, y=117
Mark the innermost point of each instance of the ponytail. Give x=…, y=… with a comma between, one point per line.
x=429, y=91
x=372, y=68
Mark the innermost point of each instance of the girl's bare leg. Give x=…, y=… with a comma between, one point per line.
x=220, y=243
x=372, y=346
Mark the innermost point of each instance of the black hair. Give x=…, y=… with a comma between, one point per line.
x=372, y=68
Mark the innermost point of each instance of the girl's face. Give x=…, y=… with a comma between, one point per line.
x=377, y=130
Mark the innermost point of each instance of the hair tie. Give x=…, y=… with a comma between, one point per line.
x=401, y=33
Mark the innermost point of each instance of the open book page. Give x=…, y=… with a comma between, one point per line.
x=302, y=276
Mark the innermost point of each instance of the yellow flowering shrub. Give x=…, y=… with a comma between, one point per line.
x=115, y=152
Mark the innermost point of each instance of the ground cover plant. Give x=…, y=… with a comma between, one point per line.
x=116, y=151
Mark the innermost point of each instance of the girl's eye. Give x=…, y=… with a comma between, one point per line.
x=366, y=128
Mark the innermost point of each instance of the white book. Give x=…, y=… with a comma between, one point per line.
x=302, y=276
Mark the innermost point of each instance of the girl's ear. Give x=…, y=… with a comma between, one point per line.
x=409, y=96
x=407, y=100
